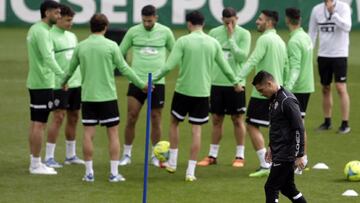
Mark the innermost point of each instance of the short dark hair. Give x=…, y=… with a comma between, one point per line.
x=272, y=15
x=195, y=18
x=148, y=10
x=98, y=22
x=294, y=15
x=228, y=12
x=261, y=77
x=66, y=11
x=48, y=5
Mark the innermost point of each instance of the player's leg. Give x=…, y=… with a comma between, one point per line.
x=53, y=134
x=114, y=151
x=89, y=133
x=239, y=133
x=288, y=188
x=274, y=182
x=217, y=109
x=236, y=105
x=341, y=87
x=60, y=102
x=257, y=116
x=40, y=107
x=157, y=104
x=135, y=101
x=198, y=115
x=326, y=72
x=72, y=115
x=90, y=119
x=179, y=110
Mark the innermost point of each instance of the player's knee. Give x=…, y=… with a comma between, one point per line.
x=326, y=89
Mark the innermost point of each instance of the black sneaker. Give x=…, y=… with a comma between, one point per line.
x=323, y=127
x=344, y=130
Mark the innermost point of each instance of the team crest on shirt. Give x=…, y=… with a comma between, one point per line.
x=50, y=104
x=276, y=105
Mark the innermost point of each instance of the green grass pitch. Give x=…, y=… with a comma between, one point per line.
x=220, y=183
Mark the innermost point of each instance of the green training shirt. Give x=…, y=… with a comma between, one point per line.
x=196, y=53
x=300, y=51
x=98, y=57
x=269, y=55
x=42, y=64
x=64, y=44
x=148, y=48
x=236, y=50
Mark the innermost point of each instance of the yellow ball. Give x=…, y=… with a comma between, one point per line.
x=352, y=171
x=161, y=150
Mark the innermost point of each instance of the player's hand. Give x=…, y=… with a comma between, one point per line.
x=268, y=156
x=238, y=88
x=145, y=89
x=330, y=6
x=299, y=163
x=65, y=87
x=230, y=28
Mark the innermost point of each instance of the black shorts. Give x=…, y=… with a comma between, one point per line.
x=69, y=100
x=332, y=66
x=197, y=107
x=157, y=95
x=41, y=103
x=258, y=112
x=224, y=100
x=303, y=99
x=104, y=113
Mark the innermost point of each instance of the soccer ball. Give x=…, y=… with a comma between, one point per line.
x=161, y=151
x=352, y=171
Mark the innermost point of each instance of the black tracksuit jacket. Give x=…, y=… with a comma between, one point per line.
x=286, y=127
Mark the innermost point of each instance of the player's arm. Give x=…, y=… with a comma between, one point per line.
x=170, y=40
x=173, y=60
x=343, y=21
x=292, y=112
x=240, y=50
x=44, y=44
x=256, y=56
x=294, y=53
x=125, y=70
x=224, y=65
x=126, y=42
x=313, y=29
x=73, y=65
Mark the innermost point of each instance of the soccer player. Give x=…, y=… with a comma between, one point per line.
x=98, y=57
x=149, y=42
x=300, y=80
x=269, y=54
x=235, y=42
x=196, y=54
x=332, y=21
x=41, y=81
x=65, y=102
x=286, y=139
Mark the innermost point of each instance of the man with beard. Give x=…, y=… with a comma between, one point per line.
x=43, y=69
x=269, y=54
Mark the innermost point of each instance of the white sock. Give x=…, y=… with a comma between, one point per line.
x=35, y=161
x=191, y=168
x=127, y=150
x=114, y=167
x=173, y=154
x=261, y=155
x=240, y=149
x=214, y=150
x=70, y=148
x=50, y=150
x=89, y=167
